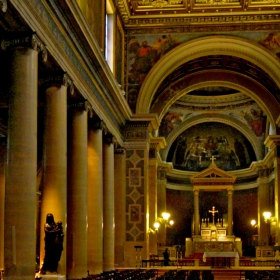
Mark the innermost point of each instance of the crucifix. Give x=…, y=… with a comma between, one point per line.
x=213, y=211
x=212, y=158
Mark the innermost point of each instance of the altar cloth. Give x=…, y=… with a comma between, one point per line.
x=53, y=277
x=220, y=255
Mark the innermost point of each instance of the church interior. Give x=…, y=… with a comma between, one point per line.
x=132, y=127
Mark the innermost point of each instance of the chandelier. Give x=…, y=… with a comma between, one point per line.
x=164, y=219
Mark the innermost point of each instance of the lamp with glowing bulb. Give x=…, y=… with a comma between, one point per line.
x=155, y=229
x=267, y=216
x=164, y=219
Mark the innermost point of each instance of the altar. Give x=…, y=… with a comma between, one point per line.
x=221, y=259
x=214, y=233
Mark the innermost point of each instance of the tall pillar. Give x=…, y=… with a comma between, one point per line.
x=119, y=174
x=108, y=203
x=196, y=212
x=263, y=205
x=77, y=192
x=161, y=201
x=230, y=212
x=273, y=143
x=2, y=201
x=153, y=204
x=54, y=190
x=21, y=168
x=95, y=196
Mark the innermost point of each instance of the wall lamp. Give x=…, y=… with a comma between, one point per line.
x=155, y=229
x=254, y=223
x=164, y=219
x=267, y=216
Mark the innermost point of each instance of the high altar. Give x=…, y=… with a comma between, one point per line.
x=213, y=235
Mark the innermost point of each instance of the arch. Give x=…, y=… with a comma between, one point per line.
x=210, y=45
x=211, y=78
x=214, y=118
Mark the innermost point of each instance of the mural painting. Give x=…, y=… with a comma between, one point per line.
x=143, y=51
x=193, y=149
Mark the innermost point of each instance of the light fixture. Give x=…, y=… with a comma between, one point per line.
x=254, y=223
x=164, y=219
x=267, y=216
x=155, y=229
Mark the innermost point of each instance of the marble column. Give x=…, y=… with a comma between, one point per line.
x=263, y=205
x=196, y=212
x=21, y=167
x=230, y=212
x=54, y=190
x=95, y=196
x=153, y=205
x=161, y=202
x=119, y=174
x=77, y=191
x=108, y=204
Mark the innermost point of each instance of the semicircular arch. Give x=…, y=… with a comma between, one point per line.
x=211, y=45
x=221, y=118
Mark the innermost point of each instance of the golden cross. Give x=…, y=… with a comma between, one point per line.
x=213, y=211
x=212, y=158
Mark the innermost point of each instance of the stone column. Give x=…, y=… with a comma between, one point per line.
x=95, y=196
x=77, y=191
x=54, y=196
x=161, y=202
x=21, y=168
x=272, y=142
x=153, y=214
x=119, y=174
x=108, y=203
x=263, y=205
x=230, y=212
x=196, y=212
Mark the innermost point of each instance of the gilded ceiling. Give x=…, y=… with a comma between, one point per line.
x=184, y=12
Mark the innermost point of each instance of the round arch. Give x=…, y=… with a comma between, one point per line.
x=214, y=118
x=210, y=45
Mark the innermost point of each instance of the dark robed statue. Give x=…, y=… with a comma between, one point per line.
x=53, y=244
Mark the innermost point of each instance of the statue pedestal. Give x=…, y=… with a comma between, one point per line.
x=53, y=277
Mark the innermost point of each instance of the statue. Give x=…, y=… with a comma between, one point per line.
x=53, y=244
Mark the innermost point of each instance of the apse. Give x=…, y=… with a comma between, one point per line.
x=193, y=149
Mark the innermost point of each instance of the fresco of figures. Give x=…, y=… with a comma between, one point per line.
x=194, y=148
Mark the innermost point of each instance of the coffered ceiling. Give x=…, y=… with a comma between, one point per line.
x=147, y=13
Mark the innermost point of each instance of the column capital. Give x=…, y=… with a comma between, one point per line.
x=196, y=192
x=110, y=139
x=98, y=124
x=120, y=151
x=161, y=174
x=262, y=171
x=25, y=40
x=3, y=6
x=229, y=191
x=272, y=141
x=82, y=106
x=56, y=79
